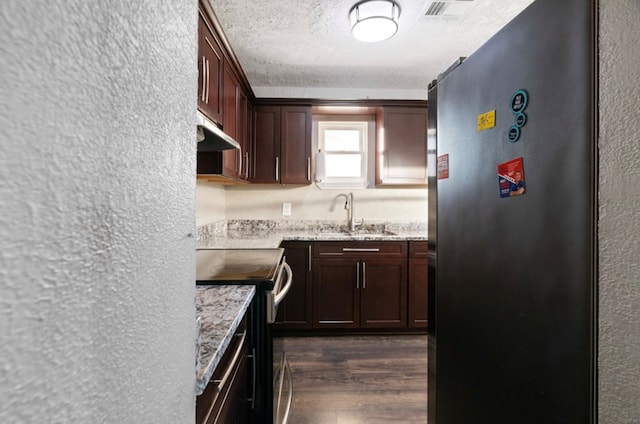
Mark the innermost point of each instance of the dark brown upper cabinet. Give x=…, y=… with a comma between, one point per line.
x=401, y=146
x=282, y=136
x=210, y=69
x=230, y=166
x=233, y=121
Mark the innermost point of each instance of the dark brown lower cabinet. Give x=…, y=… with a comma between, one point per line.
x=418, y=284
x=336, y=293
x=360, y=285
x=418, y=293
x=354, y=286
x=383, y=290
x=294, y=313
x=226, y=399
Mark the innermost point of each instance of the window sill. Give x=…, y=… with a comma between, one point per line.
x=342, y=185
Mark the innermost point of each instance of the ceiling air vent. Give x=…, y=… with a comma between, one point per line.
x=447, y=8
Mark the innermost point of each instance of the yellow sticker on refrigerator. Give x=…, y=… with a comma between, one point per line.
x=487, y=120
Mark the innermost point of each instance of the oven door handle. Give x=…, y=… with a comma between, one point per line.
x=282, y=293
x=275, y=296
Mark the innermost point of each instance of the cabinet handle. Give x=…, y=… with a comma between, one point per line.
x=309, y=258
x=246, y=168
x=208, y=82
x=277, y=168
x=223, y=381
x=309, y=169
x=359, y=249
x=204, y=78
x=357, y=276
x=239, y=156
x=364, y=275
x=283, y=292
x=254, y=377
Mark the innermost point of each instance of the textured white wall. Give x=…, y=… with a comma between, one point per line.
x=97, y=189
x=619, y=209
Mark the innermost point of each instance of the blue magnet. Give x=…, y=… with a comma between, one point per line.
x=521, y=119
x=519, y=101
x=513, y=134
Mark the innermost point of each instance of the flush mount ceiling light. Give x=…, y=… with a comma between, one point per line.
x=374, y=20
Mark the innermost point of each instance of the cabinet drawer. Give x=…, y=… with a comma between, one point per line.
x=215, y=400
x=418, y=249
x=360, y=249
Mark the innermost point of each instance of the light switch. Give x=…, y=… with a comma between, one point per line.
x=286, y=209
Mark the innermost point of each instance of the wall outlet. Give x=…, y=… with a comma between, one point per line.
x=286, y=209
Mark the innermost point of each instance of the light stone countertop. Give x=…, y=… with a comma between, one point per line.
x=269, y=234
x=220, y=310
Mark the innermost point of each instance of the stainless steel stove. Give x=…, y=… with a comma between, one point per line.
x=234, y=266
x=268, y=270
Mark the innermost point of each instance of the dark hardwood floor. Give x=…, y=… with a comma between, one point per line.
x=358, y=379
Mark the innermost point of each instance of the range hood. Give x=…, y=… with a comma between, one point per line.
x=211, y=138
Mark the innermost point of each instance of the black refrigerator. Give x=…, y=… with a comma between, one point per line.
x=512, y=216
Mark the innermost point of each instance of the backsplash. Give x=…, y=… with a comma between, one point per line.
x=207, y=232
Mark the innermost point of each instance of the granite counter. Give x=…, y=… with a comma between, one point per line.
x=220, y=310
x=269, y=234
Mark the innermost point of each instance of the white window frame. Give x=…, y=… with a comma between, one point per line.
x=362, y=181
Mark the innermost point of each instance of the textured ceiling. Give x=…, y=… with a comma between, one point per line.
x=304, y=48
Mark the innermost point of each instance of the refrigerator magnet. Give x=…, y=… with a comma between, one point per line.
x=487, y=120
x=519, y=101
x=443, y=167
x=513, y=133
x=511, y=178
x=521, y=119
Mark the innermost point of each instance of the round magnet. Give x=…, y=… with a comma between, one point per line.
x=521, y=119
x=519, y=101
x=513, y=134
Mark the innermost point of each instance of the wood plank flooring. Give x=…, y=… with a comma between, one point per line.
x=368, y=379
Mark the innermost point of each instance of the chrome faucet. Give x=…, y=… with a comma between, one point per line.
x=348, y=205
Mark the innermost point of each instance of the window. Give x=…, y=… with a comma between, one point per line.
x=342, y=162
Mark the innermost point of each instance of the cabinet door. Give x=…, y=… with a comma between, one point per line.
x=294, y=313
x=418, y=249
x=231, y=120
x=225, y=400
x=266, y=145
x=418, y=292
x=295, y=165
x=247, y=132
x=249, y=150
x=210, y=65
x=401, y=146
x=336, y=293
x=384, y=293
x=242, y=133
x=237, y=404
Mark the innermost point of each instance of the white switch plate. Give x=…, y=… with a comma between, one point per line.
x=286, y=209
